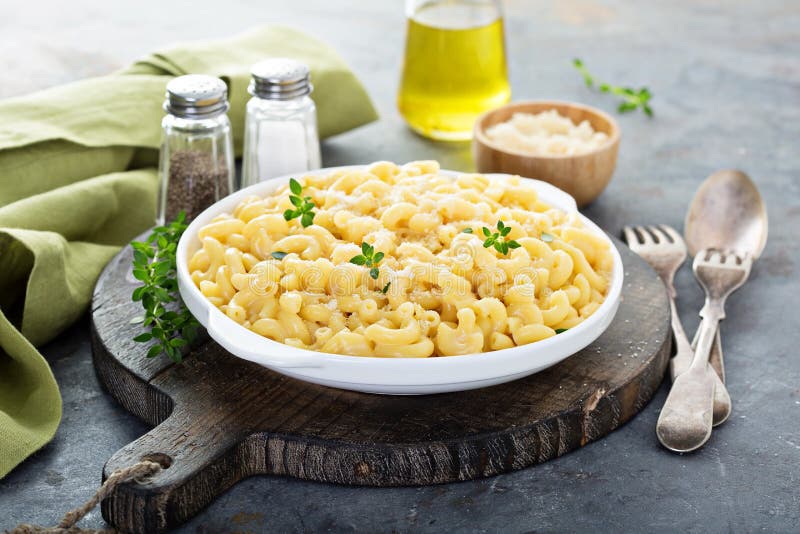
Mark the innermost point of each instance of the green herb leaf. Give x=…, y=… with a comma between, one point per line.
x=307, y=219
x=547, y=238
x=137, y=294
x=498, y=239
x=295, y=187
x=278, y=255
x=386, y=288
x=370, y=258
x=561, y=330
x=632, y=99
x=155, y=266
x=304, y=205
x=466, y=231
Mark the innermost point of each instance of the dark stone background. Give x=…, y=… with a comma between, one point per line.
x=726, y=79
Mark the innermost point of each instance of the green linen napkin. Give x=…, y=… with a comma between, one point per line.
x=74, y=187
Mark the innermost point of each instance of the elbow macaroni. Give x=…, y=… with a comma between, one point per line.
x=447, y=294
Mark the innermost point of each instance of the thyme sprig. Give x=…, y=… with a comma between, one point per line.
x=498, y=239
x=154, y=266
x=304, y=206
x=369, y=258
x=632, y=99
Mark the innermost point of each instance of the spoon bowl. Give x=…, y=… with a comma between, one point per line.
x=727, y=212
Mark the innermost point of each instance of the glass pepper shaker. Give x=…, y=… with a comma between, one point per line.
x=196, y=162
x=281, y=123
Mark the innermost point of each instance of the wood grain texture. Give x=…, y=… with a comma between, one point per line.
x=221, y=419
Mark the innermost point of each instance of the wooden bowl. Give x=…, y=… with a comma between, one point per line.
x=583, y=176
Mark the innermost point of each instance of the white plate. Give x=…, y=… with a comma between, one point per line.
x=399, y=376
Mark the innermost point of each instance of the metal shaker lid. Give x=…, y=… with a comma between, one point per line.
x=280, y=79
x=196, y=96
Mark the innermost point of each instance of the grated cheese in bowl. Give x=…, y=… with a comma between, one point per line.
x=546, y=134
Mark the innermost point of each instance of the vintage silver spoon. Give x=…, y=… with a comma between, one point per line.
x=726, y=213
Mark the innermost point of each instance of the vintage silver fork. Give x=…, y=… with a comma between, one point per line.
x=686, y=418
x=664, y=249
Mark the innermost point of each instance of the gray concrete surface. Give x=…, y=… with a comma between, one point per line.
x=726, y=79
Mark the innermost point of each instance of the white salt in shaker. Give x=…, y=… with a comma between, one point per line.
x=281, y=124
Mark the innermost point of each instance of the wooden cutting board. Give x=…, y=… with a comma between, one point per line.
x=219, y=419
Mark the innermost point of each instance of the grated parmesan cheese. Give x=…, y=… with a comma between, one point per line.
x=546, y=134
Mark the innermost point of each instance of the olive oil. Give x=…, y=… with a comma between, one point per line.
x=454, y=69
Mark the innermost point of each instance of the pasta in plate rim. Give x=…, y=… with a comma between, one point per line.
x=437, y=291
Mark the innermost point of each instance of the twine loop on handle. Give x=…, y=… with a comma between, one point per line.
x=138, y=472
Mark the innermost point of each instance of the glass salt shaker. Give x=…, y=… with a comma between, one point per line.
x=196, y=166
x=281, y=124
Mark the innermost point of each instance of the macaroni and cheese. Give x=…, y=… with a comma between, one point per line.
x=435, y=289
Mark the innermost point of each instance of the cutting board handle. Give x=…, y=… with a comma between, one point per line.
x=194, y=472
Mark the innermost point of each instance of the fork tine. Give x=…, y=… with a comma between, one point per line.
x=670, y=231
x=630, y=236
x=661, y=238
x=646, y=238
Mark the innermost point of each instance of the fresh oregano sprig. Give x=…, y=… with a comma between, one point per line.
x=304, y=206
x=369, y=258
x=154, y=266
x=632, y=99
x=498, y=239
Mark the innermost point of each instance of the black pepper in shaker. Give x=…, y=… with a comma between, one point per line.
x=196, y=163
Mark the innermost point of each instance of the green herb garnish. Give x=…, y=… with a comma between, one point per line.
x=369, y=258
x=498, y=239
x=386, y=288
x=154, y=266
x=278, y=255
x=561, y=330
x=304, y=205
x=632, y=99
x=466, y=230
x=547, y=238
